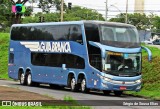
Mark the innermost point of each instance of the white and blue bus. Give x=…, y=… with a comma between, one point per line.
x=81, y=55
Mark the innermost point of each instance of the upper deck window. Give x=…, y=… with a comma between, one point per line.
x=47, y=33
x=92, y=32
x=119, y=36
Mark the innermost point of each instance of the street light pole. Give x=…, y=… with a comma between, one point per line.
x=62, y=2
x=106, y=9
x=126, y=17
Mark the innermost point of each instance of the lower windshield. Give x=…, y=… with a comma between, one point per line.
x=119, y=36
x=122, y=64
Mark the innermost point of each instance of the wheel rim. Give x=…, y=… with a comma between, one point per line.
x=22, y=79
x=73, y=82
x=83, y=85
x=29, y=79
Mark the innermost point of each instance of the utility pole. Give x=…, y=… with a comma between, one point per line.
x=106, y=9
x=126, y=19
x=62, y=2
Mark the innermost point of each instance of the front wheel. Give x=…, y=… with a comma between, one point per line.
x=84, y=89
x=118, y=93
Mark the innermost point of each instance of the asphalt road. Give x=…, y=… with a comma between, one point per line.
x=97, y=99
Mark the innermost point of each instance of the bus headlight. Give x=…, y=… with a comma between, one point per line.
x=107, y=79
x=138, y=81
x=104, y=78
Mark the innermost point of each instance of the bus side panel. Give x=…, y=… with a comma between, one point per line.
x=17, y=61
x=43, y=74
x=92, y=79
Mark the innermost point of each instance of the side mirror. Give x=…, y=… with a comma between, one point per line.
x=64, y=66
x=149, y=52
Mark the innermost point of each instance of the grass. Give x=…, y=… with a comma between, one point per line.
x=66, y=98
x=150, y=76
x=4, y=42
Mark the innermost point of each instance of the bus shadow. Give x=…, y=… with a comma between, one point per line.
x=65, y=89
x=92, y=92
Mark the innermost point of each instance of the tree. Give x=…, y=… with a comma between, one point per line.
x=141, y=21
x=49, y=17
x=79, y=13
x=5, y=15
x=75, y=14
x=156, y=23
x=17, y=17
x=45, y=5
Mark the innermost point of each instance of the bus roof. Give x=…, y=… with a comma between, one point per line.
x=76, y=22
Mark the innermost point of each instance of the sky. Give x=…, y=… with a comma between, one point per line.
x=115, y=6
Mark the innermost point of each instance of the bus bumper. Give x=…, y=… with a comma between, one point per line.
x=120, y=87
x=108, y=82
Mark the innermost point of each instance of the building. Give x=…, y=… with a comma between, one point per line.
x=139, y=6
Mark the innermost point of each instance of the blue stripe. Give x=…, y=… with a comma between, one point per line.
x=115, y=49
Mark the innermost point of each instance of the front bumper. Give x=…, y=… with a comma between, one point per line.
x=122, y=87
x=119, y=83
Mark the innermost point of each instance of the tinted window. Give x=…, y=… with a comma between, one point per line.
x=75, y=34
x=49, y=32
x=119, y=36
x=56, y=60
x=11, y=58
x=73, y=61
x=92, y=33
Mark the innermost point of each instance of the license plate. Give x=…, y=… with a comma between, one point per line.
x=122, y=88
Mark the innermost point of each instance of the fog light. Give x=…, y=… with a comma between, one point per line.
x=104, y=85
x=139, y=87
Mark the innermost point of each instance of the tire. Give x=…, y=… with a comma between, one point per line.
x=73, y=85
x=29, y=80
x=118, y=93
x=106, y=92
x=84, y=89
x=22, y=79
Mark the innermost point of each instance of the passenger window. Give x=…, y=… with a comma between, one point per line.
x=76, y=34
x=48, y=33
x=11, y=58
x=57, y=59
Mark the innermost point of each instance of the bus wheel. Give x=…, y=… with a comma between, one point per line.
x=73, y=84
x=106, y=92
x=22, y=79
x=118, y=93
x=83, y=86
x=29, y=79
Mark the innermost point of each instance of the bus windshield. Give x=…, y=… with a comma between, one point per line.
x=119, y=36
x=122, y=64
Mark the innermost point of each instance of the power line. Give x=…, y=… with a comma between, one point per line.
x=128, y=10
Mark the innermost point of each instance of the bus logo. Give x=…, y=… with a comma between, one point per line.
x=48, y=46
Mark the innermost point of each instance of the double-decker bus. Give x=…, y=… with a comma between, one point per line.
x=81, y=55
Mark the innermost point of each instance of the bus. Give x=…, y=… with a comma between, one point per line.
x=80, y=55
